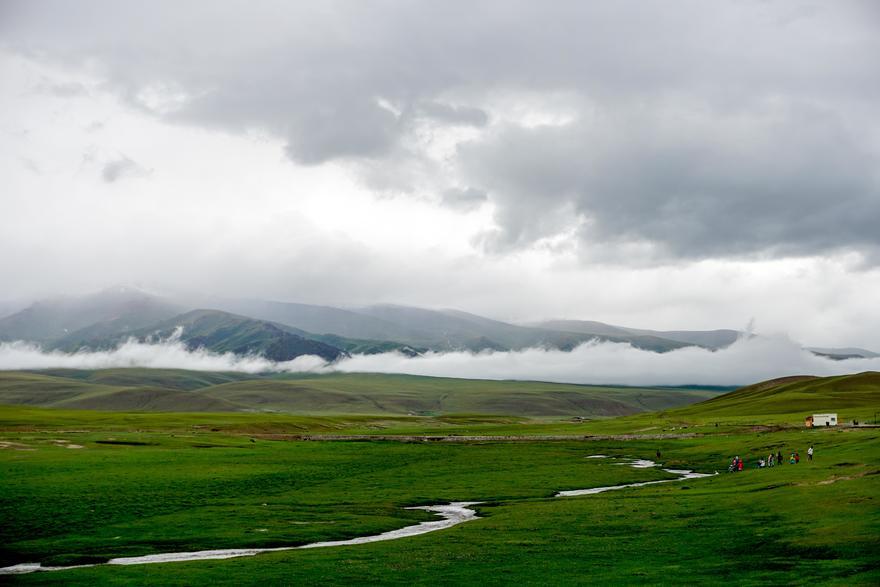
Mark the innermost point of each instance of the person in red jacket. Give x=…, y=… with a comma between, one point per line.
x=739, y=465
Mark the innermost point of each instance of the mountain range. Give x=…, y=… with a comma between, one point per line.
x=281, y=331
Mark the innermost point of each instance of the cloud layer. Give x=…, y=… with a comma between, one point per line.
x=744, y=362
x=660, y=164
x=169, y=354
x=695, y=131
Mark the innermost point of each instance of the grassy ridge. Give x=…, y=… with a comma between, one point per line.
x=785, y=402
x=376, y=394
x=134, y=376
x=814, y=394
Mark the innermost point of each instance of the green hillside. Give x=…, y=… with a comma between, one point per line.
x=368, y=394
x=363, y=393
x=844, y=394
x=135, y=376
x=33, y=389
x=113, y=390
x=782, y=402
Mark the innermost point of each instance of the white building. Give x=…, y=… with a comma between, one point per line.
x=821, y=420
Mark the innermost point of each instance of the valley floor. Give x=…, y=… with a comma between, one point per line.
x=131, y=493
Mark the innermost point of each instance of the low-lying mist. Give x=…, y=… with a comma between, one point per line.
x=746, y=361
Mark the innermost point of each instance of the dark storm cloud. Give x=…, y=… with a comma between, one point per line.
x=790, y=182
x=731, y=129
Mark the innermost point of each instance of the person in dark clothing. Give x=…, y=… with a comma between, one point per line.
x=779, y=460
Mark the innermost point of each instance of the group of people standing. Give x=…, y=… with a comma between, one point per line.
x=771, y=460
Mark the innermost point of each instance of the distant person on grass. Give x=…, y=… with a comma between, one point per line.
x=735, y=465
x=739, y=464
x=791, y=460
x=810, y=453
x=779, y=457
x=797, y=457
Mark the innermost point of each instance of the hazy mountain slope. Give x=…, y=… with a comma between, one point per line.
x=222, y=332
x=369, y=347
x=9, y=307
x=456, y=330
x=102, y=320
x=320, y=319
x=713, y=339
x=706, y=338
x=583, y=326
x=844, y=352
x=116, y=310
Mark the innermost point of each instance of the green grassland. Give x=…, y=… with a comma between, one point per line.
x=373, y=394
x=151, y=482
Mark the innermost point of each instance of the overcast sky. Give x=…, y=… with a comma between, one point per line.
x=665, y=164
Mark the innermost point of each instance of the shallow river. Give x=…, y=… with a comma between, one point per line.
x=451, y=514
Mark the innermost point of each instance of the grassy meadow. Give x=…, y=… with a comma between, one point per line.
x=85, y=486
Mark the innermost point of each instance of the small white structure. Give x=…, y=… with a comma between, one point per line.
x=821, y=420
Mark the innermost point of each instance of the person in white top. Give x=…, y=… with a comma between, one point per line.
x=810, y=454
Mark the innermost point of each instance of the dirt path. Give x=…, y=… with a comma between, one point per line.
x=463, y=438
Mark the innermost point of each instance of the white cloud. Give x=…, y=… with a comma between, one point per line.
x=746, y=361
x=169, y=354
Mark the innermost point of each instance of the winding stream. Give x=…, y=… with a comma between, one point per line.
x=451, y=514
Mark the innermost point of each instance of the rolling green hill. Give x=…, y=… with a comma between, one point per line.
x=132, y=377
x=138, y=391
x=795, y=395
x=369, y=394
x=405, y=394
x=779, y=402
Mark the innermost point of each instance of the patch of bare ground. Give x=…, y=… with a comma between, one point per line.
x=768, y=428
x=14, y=446
x=456, y=438
x=836, y=478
